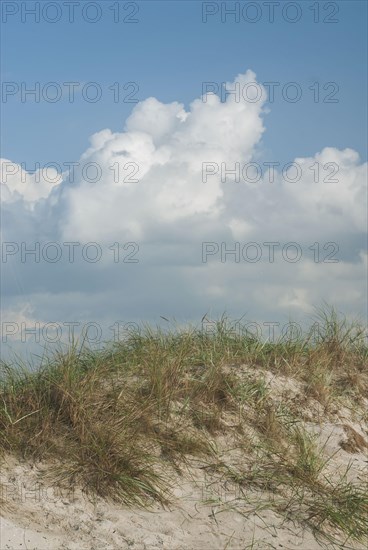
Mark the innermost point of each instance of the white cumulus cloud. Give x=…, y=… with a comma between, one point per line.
x=145, y=185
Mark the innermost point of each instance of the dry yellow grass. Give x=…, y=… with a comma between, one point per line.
x=124, y=418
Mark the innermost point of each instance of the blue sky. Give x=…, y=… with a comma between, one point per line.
x=169, y=53
x=169, y=211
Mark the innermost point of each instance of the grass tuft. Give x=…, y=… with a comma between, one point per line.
x=122, y=421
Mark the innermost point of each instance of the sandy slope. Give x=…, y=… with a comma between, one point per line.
x=40, y=517
x=206, y=513
x=43, y=520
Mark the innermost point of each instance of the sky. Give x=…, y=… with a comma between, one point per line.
x=149, y=108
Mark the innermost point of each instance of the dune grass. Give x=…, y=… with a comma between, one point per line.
x=116, y=422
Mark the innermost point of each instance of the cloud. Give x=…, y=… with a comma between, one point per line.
x=145, y=185
x=18, y=184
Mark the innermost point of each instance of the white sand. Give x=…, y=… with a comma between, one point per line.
x=39, y=517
